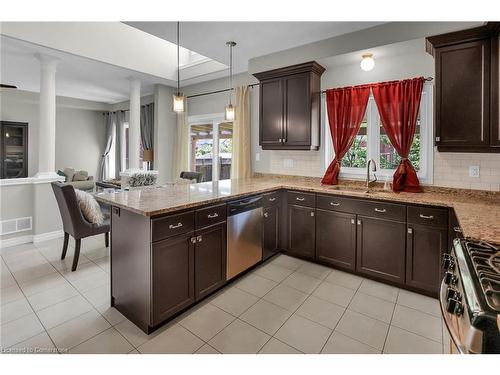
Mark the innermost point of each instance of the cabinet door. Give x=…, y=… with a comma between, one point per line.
x=301, y=231
x=336, y=238
x=271, y=231
x=210, y=260
x=271, y=112
x=381, y=248
x=425, y=244
x=173, y=276
x=463, y=95
x=297, y=124
x=495, y=92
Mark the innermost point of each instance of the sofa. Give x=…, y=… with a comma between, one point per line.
x=78, y=179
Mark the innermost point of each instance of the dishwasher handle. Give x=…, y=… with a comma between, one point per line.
x=243, y=205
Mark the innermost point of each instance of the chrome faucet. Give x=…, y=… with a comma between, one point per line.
x=374, y=169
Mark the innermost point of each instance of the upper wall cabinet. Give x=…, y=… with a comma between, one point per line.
x=467, y=85
x=290, y=107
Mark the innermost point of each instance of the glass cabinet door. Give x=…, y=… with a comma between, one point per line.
x=14, y=150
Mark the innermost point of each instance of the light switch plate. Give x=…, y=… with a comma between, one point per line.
x=257, y=156
x=474, y=171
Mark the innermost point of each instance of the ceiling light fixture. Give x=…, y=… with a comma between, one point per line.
x=230, y=107
x=367, y=62
x=178, y=98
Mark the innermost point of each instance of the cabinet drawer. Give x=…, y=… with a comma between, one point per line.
x=271, y=199
x=336, y=203
x=301, y=199
x=168, y=226
x=210, y=215
x=382, y=210
x=437, y=217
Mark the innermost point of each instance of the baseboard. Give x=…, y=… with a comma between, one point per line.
x=32, y=238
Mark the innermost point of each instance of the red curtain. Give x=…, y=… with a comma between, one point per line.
x=346, y=109
x=398, y=103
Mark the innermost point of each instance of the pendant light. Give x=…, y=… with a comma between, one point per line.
x=178, y=98
x=230, y=107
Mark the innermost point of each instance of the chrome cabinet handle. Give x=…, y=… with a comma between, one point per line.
x=380, y=210
x=199, y=238
x=193, y=239
x=410, y=231
x=426, y=217
x=353, y=221
x=300, y=199
x=212, y=216
x=457, y=229
x=266, y=214
x=272, y=199
x=334, y=204
x=312, y=213
x=178, y=225
x=359, y=222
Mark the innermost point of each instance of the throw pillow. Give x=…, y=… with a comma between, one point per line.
x=61, y=173
x=69, y=172
x=81, y=176
x=90, y=208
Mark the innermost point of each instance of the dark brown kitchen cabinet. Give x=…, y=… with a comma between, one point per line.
x=466, y=100
x=209, y=260
x=289, y=114
x=336, y=239
x=13, y=149
x=172, y=276
x=301, y=231
x=425, y=245
x=381, y=249
x=271, y=231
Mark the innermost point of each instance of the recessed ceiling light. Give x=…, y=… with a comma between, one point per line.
x=367, y=62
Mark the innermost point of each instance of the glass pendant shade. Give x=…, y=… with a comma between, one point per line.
x=230, y=112
x=178, y=103
x=367, y=62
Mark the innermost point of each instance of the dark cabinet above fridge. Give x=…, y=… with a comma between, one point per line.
x=289, y=108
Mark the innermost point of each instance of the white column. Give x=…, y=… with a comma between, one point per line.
x=134, y=131
x=47, y=126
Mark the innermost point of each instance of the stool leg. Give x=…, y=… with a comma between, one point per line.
x=65, y=245
x=77, y=254
x=106, y=239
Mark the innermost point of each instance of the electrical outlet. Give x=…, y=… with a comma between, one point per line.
x=257, y=156
x=288, y=163
x=474, y=171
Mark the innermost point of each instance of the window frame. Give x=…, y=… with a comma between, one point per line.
x=425, y=173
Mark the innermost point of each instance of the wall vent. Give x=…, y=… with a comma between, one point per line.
x=20, y=224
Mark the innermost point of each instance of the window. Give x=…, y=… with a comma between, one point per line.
x=211, y=147
x=372, y=142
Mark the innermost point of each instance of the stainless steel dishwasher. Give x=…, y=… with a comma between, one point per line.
x=244, y=235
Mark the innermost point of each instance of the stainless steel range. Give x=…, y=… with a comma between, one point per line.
x=470, y=296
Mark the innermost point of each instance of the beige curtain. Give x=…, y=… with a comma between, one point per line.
x=181, y=154
x=242, y=163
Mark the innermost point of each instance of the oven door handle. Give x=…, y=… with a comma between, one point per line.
x=447, y=319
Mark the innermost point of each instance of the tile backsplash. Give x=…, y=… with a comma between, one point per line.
x=451, y=169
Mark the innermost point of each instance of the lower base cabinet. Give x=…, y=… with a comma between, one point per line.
x=336, y=239
x=173, y=276
x=301, y=231
x=271, y=231
x=381, y=249
x=424, y=247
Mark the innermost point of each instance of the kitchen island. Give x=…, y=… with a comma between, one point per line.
x=168, y=244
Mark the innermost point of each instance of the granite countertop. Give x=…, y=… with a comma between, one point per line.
x=477, y=211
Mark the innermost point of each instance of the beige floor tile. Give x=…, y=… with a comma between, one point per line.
x=418, y=322
x=63, y=311
x=207, y=321
x=133, y=351
x=234, y=301
x=33, y=272
x=273, y=272
x=133, y=334
x=42, y=284
x=303, y=334
x=341, y=344
x=39, y=344
x=104, y=263
x=15, y=310
x=99, y=296
x=376, y=289
x=10, y=294
x=10, y=251
x=287, y=262
x=321, y=311
x=256, y=285
x=275, y=346
x=107, y=342
x=400, y=341
x=345, y=279
x=52, y=296
x=97, y=253
x=19, y=330
x=64, y=265
x=363, y=328
x=372, y=306
x=419, y=302
x=78, y=330
x=334, y=293
x=302, y=282
x=286, y=297
x=112, y=315
x=315, y=270
x=83, y=270
x=175, y=340
x=207, y=349
x=7, y=280
x=266, y=316
x=92, y=281
x=239, y=337
x=24, y=260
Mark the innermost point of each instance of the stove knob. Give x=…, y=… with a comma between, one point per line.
x=451, y=293
x=449, y=264
x=454, y=307
x=450, y=278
